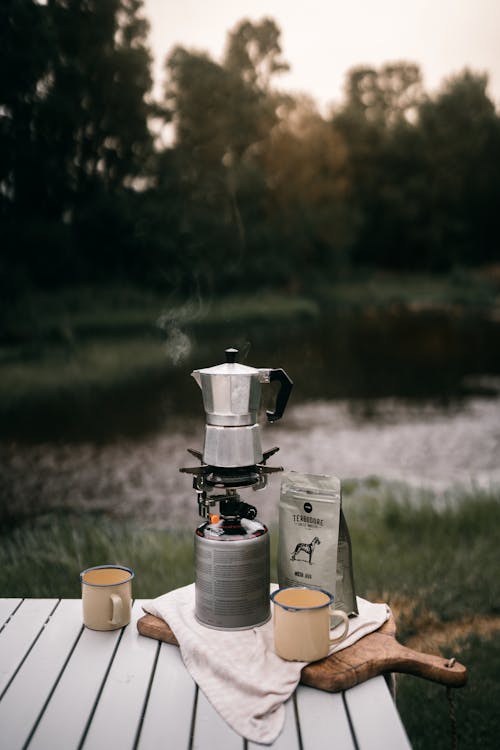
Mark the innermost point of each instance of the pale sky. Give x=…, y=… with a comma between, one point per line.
x=323, y=39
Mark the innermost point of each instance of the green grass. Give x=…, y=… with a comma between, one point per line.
x=424, y=706
x=43, y=558
x=434, y=559
x=440, y=553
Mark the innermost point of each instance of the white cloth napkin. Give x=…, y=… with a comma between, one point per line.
x=242, y=677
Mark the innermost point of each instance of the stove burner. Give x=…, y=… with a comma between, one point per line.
x=207, y=477
x=243, y=476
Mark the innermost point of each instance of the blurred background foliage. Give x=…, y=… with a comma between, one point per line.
x=226, y=178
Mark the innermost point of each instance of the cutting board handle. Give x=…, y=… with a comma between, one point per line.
x=436, y=668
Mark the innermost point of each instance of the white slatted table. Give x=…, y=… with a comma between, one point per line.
x=65, y=687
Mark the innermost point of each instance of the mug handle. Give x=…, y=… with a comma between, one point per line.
x=342, y=614
x=117, y=609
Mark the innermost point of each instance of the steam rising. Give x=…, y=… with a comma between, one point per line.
x=178, y=345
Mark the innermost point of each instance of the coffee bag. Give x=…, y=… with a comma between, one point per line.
x=310, y=520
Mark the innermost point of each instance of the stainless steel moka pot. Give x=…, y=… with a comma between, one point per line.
x=231, y=396
x=232, y=571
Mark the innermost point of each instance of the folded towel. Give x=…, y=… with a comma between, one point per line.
x=242, y=677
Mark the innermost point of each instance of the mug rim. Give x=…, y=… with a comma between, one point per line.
x=107, y=567
x=291, y=608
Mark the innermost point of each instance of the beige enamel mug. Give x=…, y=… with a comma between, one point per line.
x=302, y=623
x=106, y=596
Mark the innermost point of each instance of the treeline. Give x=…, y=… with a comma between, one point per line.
x=226, y=182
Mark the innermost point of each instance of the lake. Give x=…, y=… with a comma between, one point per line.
x=412, y=397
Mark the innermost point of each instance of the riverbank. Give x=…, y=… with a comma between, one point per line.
x=68, y=356
x=70, y=314
x=435, y=564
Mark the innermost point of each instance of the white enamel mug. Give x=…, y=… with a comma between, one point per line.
x=302, y=623
x=106, y=596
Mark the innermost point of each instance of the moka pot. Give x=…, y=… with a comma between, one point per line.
x=232, y=397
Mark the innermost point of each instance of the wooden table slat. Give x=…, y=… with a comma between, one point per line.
x=7, y=608
x=374, y=716
x=31, y=687
x=119, y=712
x=323, y=720
x=19, y=634
x=210, y=729
x=65, y=718
x=169, y=711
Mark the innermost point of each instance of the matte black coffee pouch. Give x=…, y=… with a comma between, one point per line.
x=309, y=551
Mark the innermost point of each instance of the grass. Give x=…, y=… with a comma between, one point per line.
x=434, y=559
x=439, y=553
x=44, y=558
x=424, y=706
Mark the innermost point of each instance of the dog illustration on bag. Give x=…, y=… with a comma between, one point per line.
x=307, y=549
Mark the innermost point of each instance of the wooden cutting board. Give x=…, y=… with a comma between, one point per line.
x=374, y=654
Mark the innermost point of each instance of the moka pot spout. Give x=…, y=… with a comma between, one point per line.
x=196, y=375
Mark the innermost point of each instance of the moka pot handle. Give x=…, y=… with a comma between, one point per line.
x=283, y=394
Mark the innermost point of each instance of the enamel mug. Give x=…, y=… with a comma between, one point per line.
x=302, y=623
x=106, y=596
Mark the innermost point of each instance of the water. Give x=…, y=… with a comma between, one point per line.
x=410, y=398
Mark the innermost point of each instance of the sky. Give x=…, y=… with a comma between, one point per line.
x=323, y=39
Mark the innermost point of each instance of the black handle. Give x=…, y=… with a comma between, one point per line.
x=286, y=386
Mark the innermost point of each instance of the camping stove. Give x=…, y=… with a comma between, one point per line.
x=232, y=571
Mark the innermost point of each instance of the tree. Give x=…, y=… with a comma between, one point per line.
x=95, y=112
x=223, y=113
x=305, y=162
x=385, y=97
x=254, y=53
x=460, y=132
x=25, y=44
x=75, y=119
x=384, y=165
